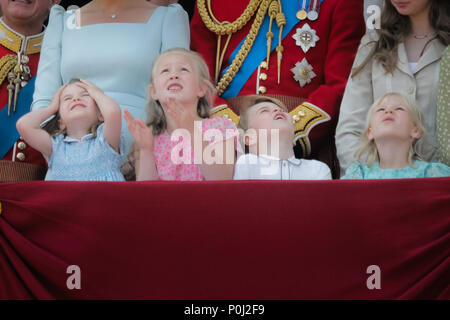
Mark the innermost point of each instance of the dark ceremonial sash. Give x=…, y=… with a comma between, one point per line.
x=258, y=52
x=8, y=132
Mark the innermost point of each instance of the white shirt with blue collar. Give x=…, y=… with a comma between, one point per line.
x=263, y=167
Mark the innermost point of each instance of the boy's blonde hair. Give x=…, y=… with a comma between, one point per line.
x=53, y=125
x=155, y=113
x=369, y=148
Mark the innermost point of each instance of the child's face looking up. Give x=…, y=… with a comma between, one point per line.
x=267, y=115
x=175, y=76
x=391, y=118
x=77, y=104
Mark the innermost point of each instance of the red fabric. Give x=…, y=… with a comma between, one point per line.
x=264, y=240
x=340, y=27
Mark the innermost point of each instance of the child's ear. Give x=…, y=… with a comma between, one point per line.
x=61, y=124
x=416, y=133
x=246, y=140
x=249, y=139
x=152, y=91
x=203, y=89
x=369, y=134
x=100, y=117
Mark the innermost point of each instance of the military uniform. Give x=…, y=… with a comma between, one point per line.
x=307, y=69
x=19, y=162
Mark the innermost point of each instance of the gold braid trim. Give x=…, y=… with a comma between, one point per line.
x=244, y=50
x=224, y=28
x=281, y=22
x=224, y=111
x=7, y=63
x=273, y=10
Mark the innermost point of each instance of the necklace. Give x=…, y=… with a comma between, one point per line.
x=426, y=44
x=116, y=11
x=419, y=37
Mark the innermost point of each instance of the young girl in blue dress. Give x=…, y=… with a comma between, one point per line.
x=388, y=150
x=82, y=141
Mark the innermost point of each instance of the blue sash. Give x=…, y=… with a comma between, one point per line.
x=258, y=52
x=8, y=132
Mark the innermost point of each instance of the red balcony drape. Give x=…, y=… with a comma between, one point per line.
x=226, y=239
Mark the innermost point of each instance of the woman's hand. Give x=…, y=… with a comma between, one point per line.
x=140, y=132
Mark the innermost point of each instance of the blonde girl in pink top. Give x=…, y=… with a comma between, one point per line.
x=180, y=142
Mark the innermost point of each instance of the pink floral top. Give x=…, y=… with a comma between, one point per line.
x=175, y=157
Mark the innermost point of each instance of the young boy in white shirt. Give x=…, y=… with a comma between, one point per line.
x=269, y=139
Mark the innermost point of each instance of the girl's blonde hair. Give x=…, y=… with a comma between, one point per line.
x=156, y=118
x=53, y=126
x=369, y=148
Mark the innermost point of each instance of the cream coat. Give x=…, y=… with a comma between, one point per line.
x=373, y=82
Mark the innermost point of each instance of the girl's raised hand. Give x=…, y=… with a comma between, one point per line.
x=180, y=115
x=95, y=92
x=141, y=133
x=56, y=100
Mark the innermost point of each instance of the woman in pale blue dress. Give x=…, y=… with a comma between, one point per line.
x=116, y=55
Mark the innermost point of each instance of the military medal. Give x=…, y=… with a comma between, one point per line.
x=305, y=37
x=303, y=72
x=313, y=12
x=313, y=15
x=302, y=14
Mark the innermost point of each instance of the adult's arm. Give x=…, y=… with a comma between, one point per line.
x=358, y=97
x=175, y=30
x=49, y=77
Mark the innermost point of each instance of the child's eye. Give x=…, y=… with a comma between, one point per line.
x=164, y=71
x=380, y=109
x=400, y=109
x=66, y=98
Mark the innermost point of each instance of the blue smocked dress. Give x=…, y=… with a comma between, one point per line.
x=88, y=159
x=117, y=57
x=420, y=169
